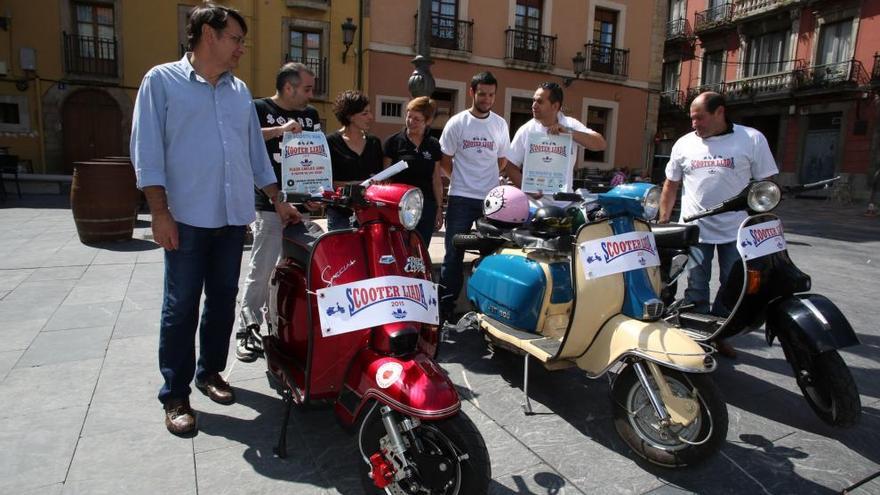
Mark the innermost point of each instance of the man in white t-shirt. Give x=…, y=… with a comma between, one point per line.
x=548, y=119
x=473, y=143
x=716, y=161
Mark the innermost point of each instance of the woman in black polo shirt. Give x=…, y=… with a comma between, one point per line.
x=354, y=154
x=421, y=152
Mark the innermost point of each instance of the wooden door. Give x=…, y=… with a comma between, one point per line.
x=91, y=127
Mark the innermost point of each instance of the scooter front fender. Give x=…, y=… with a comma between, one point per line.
x=655, y=341
x=415, y=386
x=812, y=319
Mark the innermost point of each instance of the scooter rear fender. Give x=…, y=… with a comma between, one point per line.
x=814, y=319
x=657, y=341
x=414, y=386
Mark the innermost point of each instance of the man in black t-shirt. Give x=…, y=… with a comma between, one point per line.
x=288, y=110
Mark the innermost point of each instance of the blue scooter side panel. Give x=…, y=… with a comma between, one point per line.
x=509, y=289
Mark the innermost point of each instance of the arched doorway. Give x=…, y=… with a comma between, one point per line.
x=91, y=127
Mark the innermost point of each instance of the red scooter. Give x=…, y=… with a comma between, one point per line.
x=353, y=321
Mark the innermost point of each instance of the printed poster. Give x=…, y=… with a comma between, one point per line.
x=376, y=301
x=305, y=163
x=547, y=162
x=618, y=254
x=759, y=240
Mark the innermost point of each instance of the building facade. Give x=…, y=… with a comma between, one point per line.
x=524, y=43
x=804, y=72
x=70, y=69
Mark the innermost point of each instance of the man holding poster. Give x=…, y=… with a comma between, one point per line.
x=287, y=111
x=545, y=149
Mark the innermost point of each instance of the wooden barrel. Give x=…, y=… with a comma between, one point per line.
x=103, y=197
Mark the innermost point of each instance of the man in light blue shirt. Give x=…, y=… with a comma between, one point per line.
x=198, y=152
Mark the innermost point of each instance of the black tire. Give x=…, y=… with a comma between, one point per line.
x=638, y=430
x=447, y=439
x=827, y=385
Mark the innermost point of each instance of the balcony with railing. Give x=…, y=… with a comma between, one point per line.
x=90, y=56
x=678, y=30
x=606, y=60
x=319, y=67
x=695, y=91
x=763, y=87
x=847, y=74
x=449, y=33
x=672, y=101
x=713, y=19
x=530, y=47
x=744, y=9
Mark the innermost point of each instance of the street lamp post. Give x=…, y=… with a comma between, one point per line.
x=421, y=82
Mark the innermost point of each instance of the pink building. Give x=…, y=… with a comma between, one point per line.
x=804, y=72
x=524, y=43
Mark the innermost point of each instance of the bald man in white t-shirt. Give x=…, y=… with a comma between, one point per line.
x=715, y=162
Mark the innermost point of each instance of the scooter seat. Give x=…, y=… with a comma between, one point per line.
x=298, y=240
x=675, y=235
x=523, y=237
x=488, y=229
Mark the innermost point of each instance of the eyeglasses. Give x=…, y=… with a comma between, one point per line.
x=238, y=39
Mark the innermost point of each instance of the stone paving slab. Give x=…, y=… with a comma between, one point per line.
x=80, y=328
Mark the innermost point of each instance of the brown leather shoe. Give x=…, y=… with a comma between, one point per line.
x=179, y=417
x=724, y=348
x=217, y=389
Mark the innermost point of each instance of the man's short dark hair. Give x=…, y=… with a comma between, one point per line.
x=486, y=78
x=555, y=91
x=713, y=101
x=291, y=73
x=349, y=103
x=213, y=15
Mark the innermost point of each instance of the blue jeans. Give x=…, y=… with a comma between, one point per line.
x=426, y=224
x=208, y=259
x=461, y=213
x=700, y=272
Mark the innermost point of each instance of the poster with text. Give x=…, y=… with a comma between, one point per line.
x=546, y=164
x=305, y=163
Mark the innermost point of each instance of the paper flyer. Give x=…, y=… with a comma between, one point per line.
x=305, y=163
x=546, y=164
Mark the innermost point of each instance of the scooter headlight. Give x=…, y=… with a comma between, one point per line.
x=410, y=208
x=763, y=196
x=651, y=203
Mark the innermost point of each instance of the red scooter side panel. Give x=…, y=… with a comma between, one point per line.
x=415, y=386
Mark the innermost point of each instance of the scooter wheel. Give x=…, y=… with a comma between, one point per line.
x=453, y=459
x=637, y=422
x=827, y=385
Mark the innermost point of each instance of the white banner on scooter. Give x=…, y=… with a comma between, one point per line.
x=376, y=301
x=759, y=240
x=618, y=253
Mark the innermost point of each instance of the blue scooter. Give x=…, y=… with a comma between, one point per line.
x=578, y=287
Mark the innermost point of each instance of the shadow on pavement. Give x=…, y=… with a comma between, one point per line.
x=129, y=246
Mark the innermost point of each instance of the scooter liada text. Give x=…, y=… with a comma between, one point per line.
x=585, y=296
x=353, y=323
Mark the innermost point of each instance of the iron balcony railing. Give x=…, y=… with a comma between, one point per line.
x=695, y=91
x=528, y=46
x=603, y=58
x=713, y=18
x=847, y=73
x=875, y=72
x=678, y=29
x=88, y=55
x=450, y=33
x=672, y=101
x=319, y=67
x=747, y=8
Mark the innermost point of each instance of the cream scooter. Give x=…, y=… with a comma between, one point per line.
x=589, y=300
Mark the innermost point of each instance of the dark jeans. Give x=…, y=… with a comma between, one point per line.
x=426, y=224
x=700, y=273
x=208, y=259
x=461, y=213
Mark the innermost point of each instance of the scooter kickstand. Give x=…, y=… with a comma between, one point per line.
x=280, y=450
x=527, y=405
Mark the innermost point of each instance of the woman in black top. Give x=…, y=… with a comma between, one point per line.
x=422, y=153
x=354, y=154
